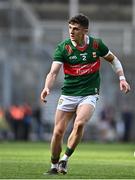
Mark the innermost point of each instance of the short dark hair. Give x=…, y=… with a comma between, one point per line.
x=80, y=19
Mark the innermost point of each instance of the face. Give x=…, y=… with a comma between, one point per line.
x=77, y=32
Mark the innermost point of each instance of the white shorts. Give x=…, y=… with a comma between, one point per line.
x=70, y=103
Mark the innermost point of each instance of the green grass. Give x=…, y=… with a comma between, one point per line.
x=89, y=161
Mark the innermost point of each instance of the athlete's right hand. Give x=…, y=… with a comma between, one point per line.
x=44, y=93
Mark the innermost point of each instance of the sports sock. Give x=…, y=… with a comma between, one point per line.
x=64, y=158
x=54, y=160
x=69, y=151
x=67, y=154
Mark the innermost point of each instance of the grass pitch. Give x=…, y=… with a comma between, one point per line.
x=20, y=160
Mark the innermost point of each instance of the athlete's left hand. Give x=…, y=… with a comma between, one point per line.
x=124, y=86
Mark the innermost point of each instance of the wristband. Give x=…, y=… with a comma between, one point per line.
x=122, y=78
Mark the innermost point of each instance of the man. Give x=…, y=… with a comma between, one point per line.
x=80, y=56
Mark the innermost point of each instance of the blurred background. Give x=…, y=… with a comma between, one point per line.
x=29, y=33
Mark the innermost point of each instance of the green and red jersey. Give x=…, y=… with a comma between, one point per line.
x=81, y=66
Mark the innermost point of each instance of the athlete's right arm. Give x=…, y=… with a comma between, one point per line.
x=50, y=79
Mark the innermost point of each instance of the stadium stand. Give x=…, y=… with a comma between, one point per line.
x=30, y=30
x=96, y=10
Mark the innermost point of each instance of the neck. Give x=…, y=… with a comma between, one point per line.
x=81, y=42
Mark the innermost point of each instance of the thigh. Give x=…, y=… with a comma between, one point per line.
x=84, y=113
x=86, y=108
x=62, y=118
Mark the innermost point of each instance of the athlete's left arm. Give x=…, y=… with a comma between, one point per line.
x=117, y=67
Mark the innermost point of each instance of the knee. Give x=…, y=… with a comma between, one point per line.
x=58, y=133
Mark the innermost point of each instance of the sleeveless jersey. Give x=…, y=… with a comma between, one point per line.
x=81, y=66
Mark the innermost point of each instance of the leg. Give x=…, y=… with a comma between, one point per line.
x=61, y=121
x=83, y=114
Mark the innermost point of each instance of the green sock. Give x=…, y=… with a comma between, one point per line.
x=69, y=151
x=54, y=160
